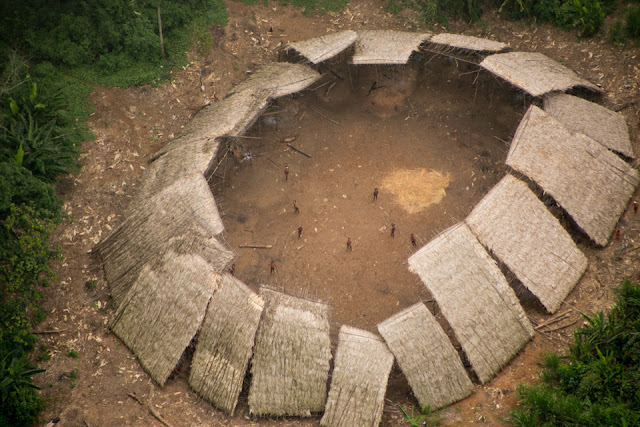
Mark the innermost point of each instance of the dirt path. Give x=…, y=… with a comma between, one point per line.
x=132, y=124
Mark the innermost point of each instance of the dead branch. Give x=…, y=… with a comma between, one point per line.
x=323, y=116
x=558, y=317
x=256, y=246
x=299, y=151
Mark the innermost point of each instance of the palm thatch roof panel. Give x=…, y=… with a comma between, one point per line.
x=579, y=115
x=386, y=46
x=225, y=344
x=173, y=166
x=359, y=380
x=184, y=215
x=426, y=356
x=590, y=182
x=476, y=44
x=319, y=49
x=290, y=366
x=163, y=310
x=474, y=297
x=279, y=79
x=534, y=73
x=516, y=226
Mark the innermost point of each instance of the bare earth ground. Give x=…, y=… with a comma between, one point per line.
x=417, y=120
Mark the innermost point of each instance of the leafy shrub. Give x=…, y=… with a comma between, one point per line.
x=18, y=187
x=432, y=11
x=596, y=383
x=73, y=354
x=113, y=42
x=586, y=15
x=20, y=402
x=25, y=254
x=34, y=132
x=632, y=23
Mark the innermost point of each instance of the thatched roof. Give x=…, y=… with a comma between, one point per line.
x=279, y=79
x=579, y=115
x=426, y=356
x=516, y=226
x=476, y=44
x=359, y=380
x=591, y=183
x=290, y=366
x=225, y=344
x=386, y=46
x=185, y=211
x=320, y=49
x=163, y=310
x=474, y=297
x=534, y=72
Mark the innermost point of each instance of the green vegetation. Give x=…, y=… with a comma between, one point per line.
x=596, y=384
x=425, y=418
x=110, y=42
x=585, y=16
x=43, y=109
x=74, y=354
x=310, y=7
x=432, y=11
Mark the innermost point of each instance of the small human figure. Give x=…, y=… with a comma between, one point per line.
x=393, y=230
x=349, y=248
x=617, y=234
x=375, y=194
x=299, y=232
x=635, y=207
x=413, y=240
x=286, y=173
x=232, y=269
x=296, y=209
x=273, y=267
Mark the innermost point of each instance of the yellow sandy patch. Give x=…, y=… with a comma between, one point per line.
x=416, y=189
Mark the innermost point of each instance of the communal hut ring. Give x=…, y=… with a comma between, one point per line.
x=167, y=263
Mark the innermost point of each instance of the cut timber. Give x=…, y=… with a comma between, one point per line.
x=426, y=356
x=359, y=380
x=474, y=297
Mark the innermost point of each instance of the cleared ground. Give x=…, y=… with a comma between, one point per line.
x=427, y=135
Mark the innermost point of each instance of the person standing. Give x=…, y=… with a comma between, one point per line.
x=299, y=232
x=296, y=209
x=393, y=230
x=286, y=173
x=413, y=240
x=349, y=248
x=232, y=269
x=375, y=194
x=273, y=267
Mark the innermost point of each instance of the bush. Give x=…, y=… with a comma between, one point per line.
x=432, y=11
x=24, y=269
x=596, y=383
x=114, y=42
x=587, y=16
x=632, y=23
x=20, y=402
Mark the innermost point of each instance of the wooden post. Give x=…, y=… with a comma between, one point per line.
x=160, y=29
